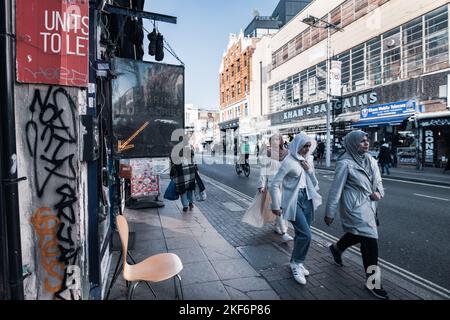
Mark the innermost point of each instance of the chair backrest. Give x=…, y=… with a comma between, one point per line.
x=122, y=226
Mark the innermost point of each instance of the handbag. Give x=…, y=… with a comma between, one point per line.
x=199, y=191
x=259, y=213
x=171, y=193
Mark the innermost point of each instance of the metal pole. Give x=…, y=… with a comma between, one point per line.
x=8, y=171
x=328, y=144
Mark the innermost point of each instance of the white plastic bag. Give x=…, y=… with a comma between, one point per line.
x=259, y=213
x=199, y=195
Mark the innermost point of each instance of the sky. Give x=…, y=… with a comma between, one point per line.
x=200, y=38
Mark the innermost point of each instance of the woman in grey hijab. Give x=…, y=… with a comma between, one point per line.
x=355, y=192
x=299, y=198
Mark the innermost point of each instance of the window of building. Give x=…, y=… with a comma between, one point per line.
x=436, y=39
x=238, y=65
x=245, y=59
x=345, y=70
x=314, y=34
x=322, y=79
x=347, y=13
x=227, y=74
x=228, y=95
x=288, y=103
x=236, y=111
x=223, y=96
x=312, y=83
x=246, y=110
x=284, y=53
x=358, y=78
x=335, y=18
x=306, y=39
x=232, y=91
x=374, y=61
x=239, y=88
x=304, y=86
x=245, y=85
x=391, y=54
x=232, y=71
x=413, y=48
x=360, y=8
x=298, y=44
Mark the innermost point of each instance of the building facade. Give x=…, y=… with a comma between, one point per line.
x=394, y=58
x=235, y=76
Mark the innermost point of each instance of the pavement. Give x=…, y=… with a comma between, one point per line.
x=225, y=259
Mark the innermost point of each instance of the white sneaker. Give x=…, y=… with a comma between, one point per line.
x=286, y=237
x=302, y=267
x=298, y=273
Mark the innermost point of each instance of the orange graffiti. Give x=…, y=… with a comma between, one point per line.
x=46, y=226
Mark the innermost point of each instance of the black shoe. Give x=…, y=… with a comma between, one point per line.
x=336, y=255
x=191, y=206
x=185, y=209
x=379, y=293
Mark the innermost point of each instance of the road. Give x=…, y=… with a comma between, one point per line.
x=414, y=220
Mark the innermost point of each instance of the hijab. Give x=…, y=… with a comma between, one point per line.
x=351, y=144
x=299, y=141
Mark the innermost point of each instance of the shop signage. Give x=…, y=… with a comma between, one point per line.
x=435, y=122
x=429, y=146
x=389, y=109
x=319, y=109
x=335, y=78
x=53, y=42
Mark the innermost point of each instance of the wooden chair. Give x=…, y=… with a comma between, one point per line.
x=156, y=268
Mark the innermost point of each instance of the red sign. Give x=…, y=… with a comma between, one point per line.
x=53, y=42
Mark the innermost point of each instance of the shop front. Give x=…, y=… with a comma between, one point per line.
x=228, y=135
x=435, y=142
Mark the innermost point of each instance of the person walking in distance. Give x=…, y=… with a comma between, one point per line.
x=355, y=192
x=276, y=152
x=299, y=198
x=320, y=152
x=384, y=158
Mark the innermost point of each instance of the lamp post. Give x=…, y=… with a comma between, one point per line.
x=316, y=23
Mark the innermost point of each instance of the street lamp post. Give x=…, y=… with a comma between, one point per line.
x=314, y=22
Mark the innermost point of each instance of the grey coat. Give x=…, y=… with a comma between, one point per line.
x=350, y=195
x=287, y=179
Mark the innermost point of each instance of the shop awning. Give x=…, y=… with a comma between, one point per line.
x=381, y=121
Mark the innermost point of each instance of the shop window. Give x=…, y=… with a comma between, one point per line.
x=374, y=61
x=436, y=39
x=412, y=48
x=391, y=49
x=288, y=102
x=358, y=78
x=303, y=87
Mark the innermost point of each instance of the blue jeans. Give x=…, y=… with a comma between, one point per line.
x=302, y=227
x=385, y=166
x=186, y=198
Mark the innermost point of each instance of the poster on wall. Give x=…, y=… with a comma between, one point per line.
x=147, y=107
x=52, y=42
x=145, y=176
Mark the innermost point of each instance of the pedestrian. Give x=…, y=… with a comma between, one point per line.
x=384, y=158
x=299, y=199
x=355, y=192
x=183, y=174
x=276, y=152
x=320, y=152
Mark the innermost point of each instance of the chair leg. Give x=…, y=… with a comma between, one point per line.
x=181, y=288
x=148, y=285
x=115, y=276
x=131, y=289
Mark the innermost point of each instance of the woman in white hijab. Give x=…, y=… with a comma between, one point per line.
x=299, y=198
x=355, y=192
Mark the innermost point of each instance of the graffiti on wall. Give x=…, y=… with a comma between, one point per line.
x=51, y=139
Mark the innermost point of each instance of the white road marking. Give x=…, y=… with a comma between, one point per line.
x=425, y=196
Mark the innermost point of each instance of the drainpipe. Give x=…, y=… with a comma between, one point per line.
x=8, y=171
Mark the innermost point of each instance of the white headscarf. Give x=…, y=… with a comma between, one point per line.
x=299, y=141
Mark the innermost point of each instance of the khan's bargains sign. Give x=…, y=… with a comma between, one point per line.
x=53, y=42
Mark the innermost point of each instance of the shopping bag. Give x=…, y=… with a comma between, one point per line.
x=171, y=193
x=259, y=213
x=199, y=195
x=199, y=181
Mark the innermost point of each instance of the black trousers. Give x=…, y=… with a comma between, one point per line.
x=369, y=248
